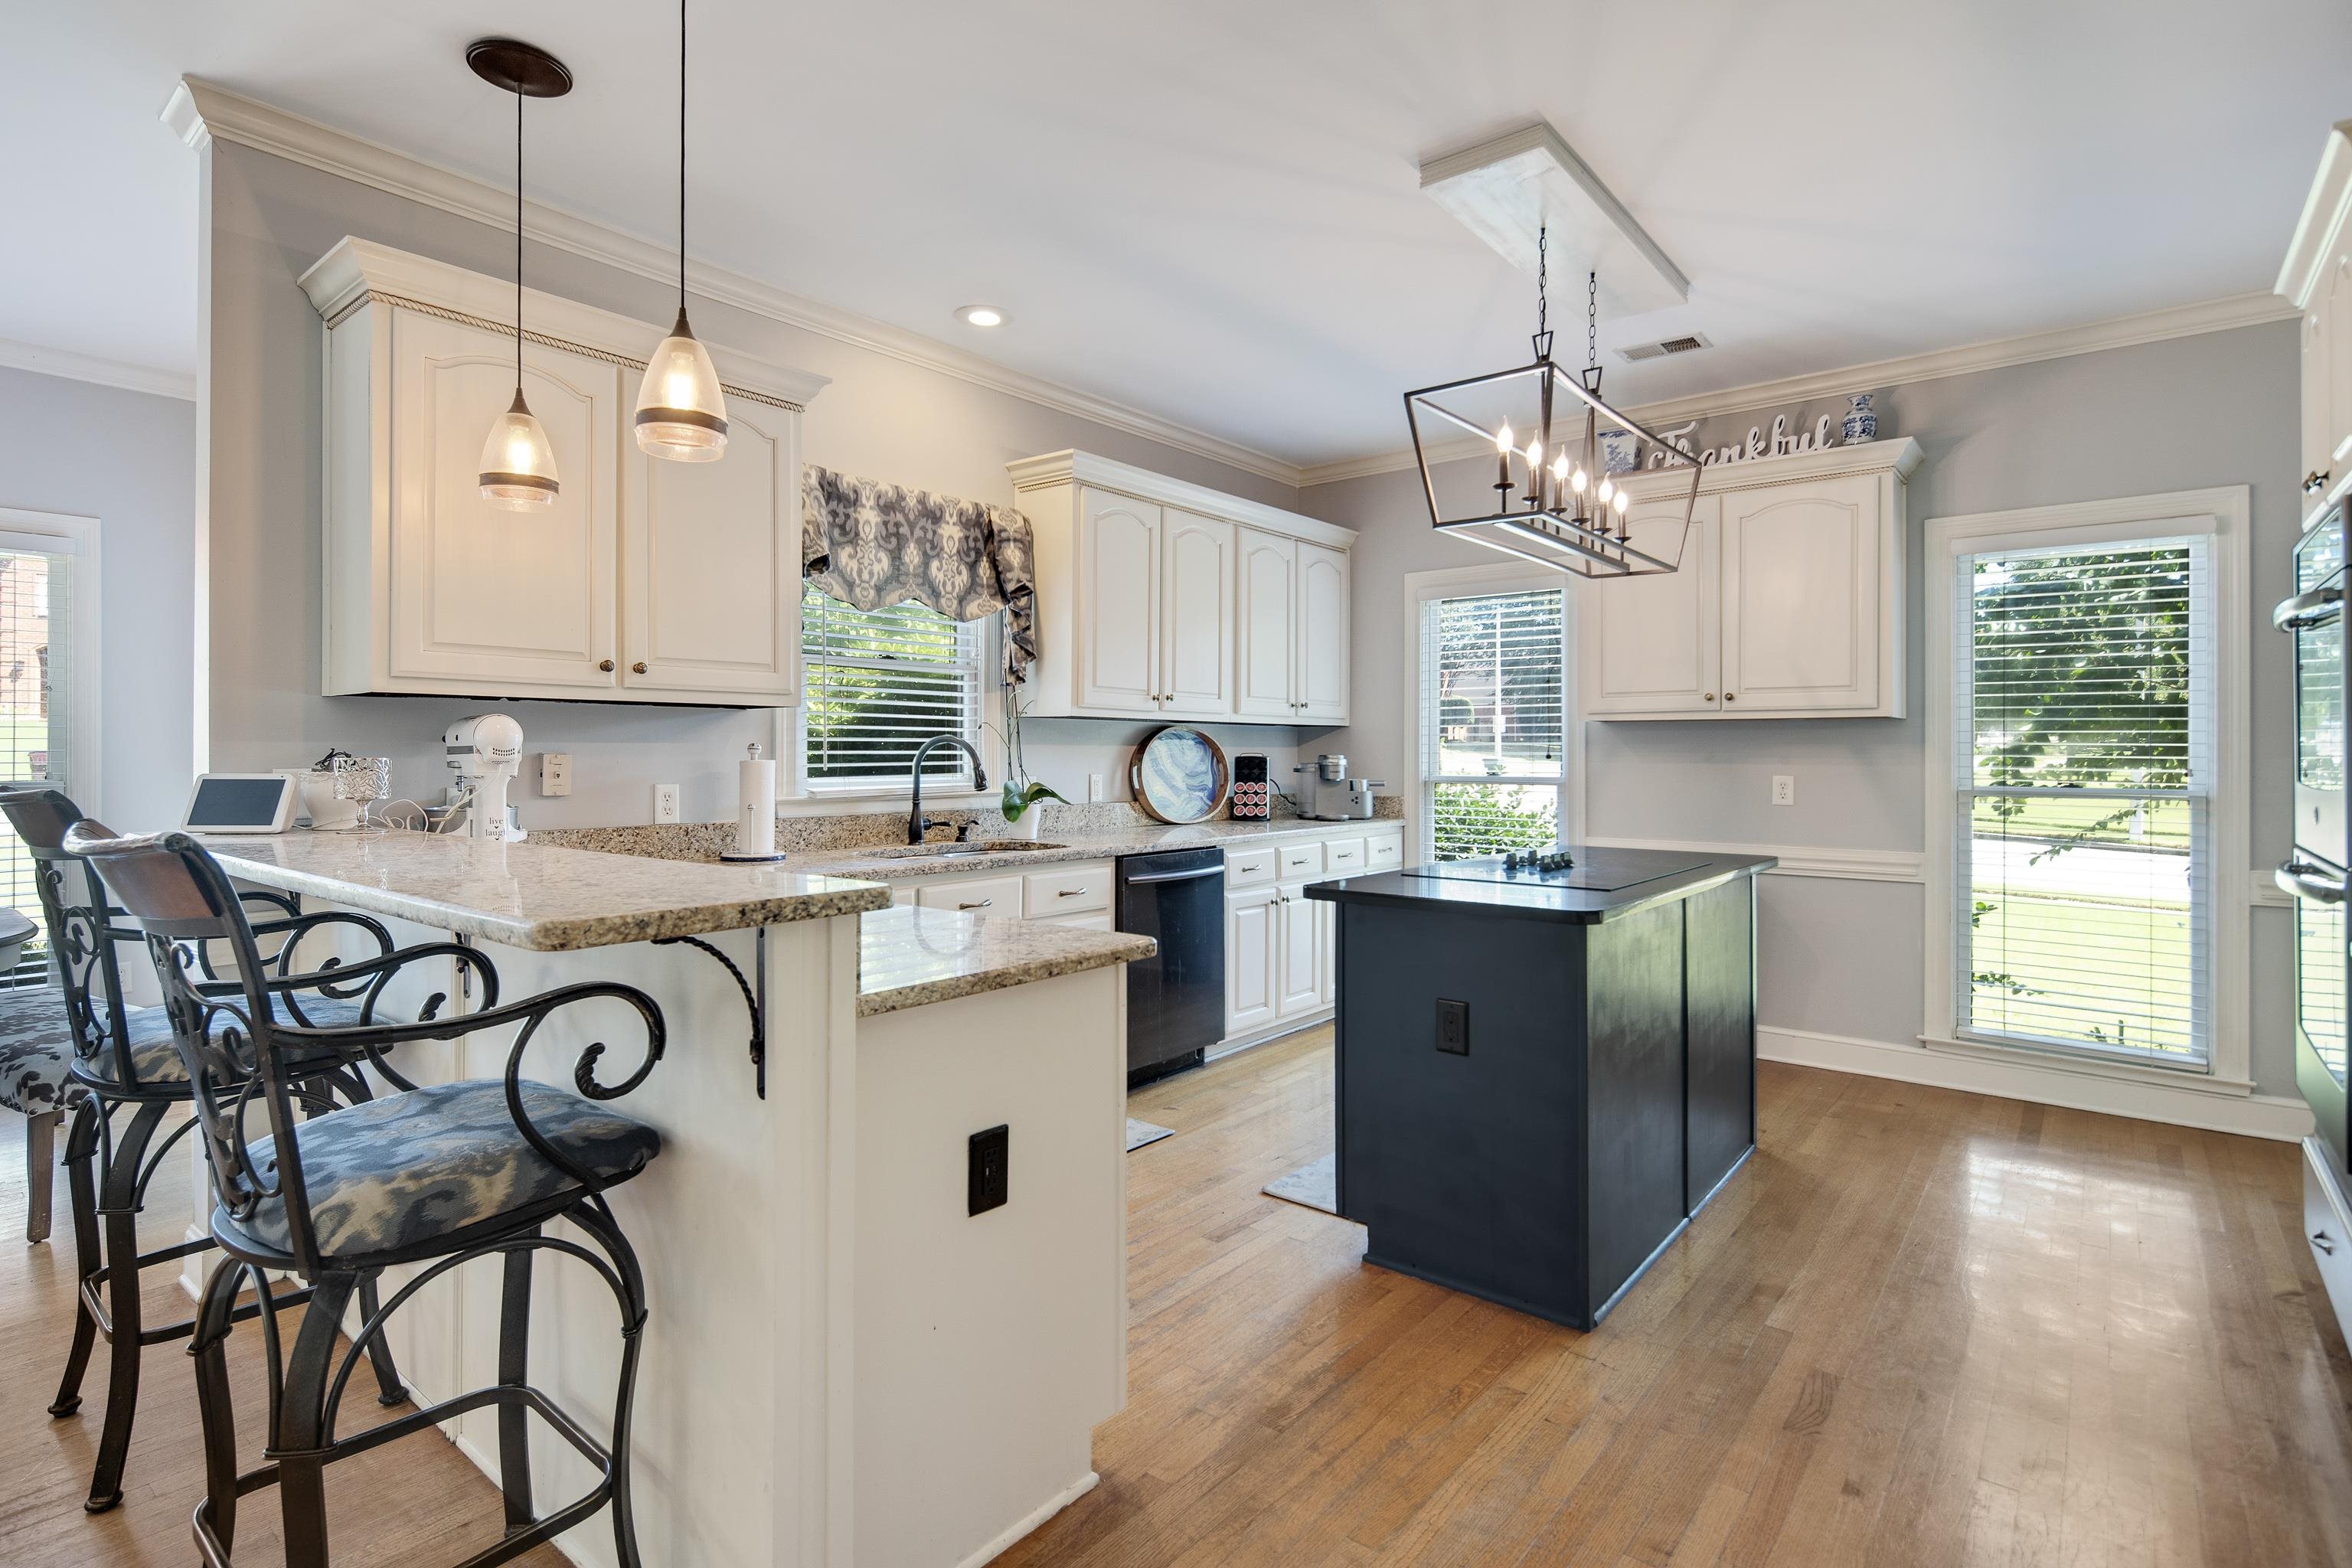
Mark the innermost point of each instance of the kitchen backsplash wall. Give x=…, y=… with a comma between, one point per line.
x=257, y=624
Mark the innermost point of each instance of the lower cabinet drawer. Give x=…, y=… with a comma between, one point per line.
x=998, y=896
x=1248, y=867
x=1301, y=862
x=2329, y=1238
x=1342, y=856
x=1383, y=851
x=1060, y=892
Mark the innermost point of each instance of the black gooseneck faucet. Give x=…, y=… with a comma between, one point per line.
x=917, y=823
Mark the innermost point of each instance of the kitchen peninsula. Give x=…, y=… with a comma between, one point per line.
x=1546, y=1065
x=836, y=1326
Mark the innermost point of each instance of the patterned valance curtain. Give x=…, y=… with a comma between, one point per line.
x=871, y=545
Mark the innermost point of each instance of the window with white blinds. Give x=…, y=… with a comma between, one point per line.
x=875, y=685
x=1493, y=720
x=34, y=672
x=2084, y=756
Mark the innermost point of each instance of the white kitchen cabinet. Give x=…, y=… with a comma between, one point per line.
x=710, y=556
x=1788, y=600
x=1300, y=925
x=1253, y=959
x=1803, y=598
x=1161, y=599
x=643, y=581
x=2317, y=280
x=1117, y=625
x=1196, y=612
x=1267, y=610
x=1652, y=645
x=1320, y=634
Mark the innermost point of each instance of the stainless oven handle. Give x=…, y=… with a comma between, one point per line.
x=2302, y=880
x=2315, y=608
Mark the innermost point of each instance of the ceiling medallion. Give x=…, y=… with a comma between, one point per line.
x=1572, y=516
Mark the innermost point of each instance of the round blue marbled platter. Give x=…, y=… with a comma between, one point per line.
x=1180, y=775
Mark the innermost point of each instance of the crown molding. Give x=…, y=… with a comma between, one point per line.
x=2123, y=331
x=200, y=113
x=2325, y=208
x=1052, y=468
x=93, y=368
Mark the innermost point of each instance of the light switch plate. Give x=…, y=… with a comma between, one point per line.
x=555, y=772
x=1784, y=789
x=665, y=803
x=1095, y=786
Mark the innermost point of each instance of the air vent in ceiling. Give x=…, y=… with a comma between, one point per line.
x=1684, y=345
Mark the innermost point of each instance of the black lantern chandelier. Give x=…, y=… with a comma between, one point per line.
x=1572, y=516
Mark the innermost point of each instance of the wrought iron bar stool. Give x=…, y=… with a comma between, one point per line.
x=121, y=1069
x=437, y=1176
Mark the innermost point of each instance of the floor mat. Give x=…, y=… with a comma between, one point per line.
x=1314, y=1186
x=1138, y=1133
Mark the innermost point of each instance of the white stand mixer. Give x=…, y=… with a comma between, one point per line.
x=485, y=752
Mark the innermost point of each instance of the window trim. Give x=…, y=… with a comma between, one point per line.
x=1456, y=582
x=68, y=533
x=797, y=796
x=2224, y=516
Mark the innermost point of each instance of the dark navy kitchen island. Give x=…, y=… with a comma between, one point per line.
x=1544, y=1069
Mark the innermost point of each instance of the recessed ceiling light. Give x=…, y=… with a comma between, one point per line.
x=980, y=316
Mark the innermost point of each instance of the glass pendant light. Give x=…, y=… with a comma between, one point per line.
x=518, y=464
x=681, y=413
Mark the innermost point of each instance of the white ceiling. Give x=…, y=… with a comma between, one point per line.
x=1211, y=210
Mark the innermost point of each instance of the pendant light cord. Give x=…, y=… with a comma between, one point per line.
x=681, y=157
x=518, y=244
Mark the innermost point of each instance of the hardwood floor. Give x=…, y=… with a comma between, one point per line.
x=1920, y=1327
x=417, y=1503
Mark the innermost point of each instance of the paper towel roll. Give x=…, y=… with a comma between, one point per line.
x=755, y=824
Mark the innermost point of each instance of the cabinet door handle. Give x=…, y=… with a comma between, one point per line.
x=2314, y=481
x=2319, y=1239
x=976, y=904
x=1709, y=697
x=638, y=667
x=1731, y=697
x=605, y=665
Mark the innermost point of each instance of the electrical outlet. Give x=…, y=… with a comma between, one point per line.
x=555, y=772
x=1453, y=1027
x=1094, y=787
x=665, y=803
x=1784, y=789
x=988, y=1182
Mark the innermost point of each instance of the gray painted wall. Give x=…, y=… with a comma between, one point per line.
x=127, y=458
x=1844, y=957
x=265, y=221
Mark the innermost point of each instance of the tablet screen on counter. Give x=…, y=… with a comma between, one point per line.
x=224, y=802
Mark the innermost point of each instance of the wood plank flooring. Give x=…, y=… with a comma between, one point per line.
x=1921, y=1327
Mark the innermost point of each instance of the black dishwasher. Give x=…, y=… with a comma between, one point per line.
x=1175, y=999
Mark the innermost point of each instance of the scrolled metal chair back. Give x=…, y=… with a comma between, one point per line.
x=234, y=1056
x=82, y=931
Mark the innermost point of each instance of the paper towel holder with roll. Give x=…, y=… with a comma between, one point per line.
x=755, y=812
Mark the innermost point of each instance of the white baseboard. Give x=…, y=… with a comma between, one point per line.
x=1052, y=1506
x=2283, y=1117
x=192, y=1272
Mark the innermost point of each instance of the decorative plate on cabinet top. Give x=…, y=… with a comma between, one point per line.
x=1178, y=774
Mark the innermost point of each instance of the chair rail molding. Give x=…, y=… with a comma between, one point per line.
x=200, y=112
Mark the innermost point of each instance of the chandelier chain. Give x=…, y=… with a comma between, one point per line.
x=1543, y=241
x=1591, y=321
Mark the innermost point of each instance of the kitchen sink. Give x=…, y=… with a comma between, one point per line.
x=960, y=851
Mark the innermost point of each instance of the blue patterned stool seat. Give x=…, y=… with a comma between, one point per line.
x=36, y=1051
x=412, y=1168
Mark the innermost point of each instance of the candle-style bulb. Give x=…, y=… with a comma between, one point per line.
x=1606, y=490
x=1559, y=467
x=1576, y=481
x=1620, y=503
x=1503, y=439
x=1535, y=452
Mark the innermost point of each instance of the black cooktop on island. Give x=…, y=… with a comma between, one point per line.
x=1588, y=870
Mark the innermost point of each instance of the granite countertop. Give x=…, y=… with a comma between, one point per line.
x=540, y=897
x=1623, y=881
x=909, y=956
x=881, y=860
